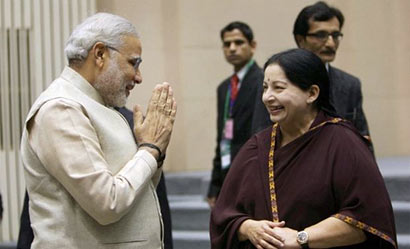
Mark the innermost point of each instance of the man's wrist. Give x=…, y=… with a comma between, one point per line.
x=152, y=151
x=152, y=146
x=159, y=156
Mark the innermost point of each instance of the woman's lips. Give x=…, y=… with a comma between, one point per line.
x=275, y=109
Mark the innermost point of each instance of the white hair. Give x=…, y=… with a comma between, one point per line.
x=101, y=27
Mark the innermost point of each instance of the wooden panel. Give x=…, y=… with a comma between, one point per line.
x=92, y=6
x=24, y=98
x=47, y=38
x=14, y=77
x=5, y=111
x=57, y=35
x=37, y=61
x=17, y=14
x=83, y=10
x=4, y=226
x=7, y=13
x=14, y=206
x=75, y=13
x=66, y=24
x=27, y=14
x=1, y=19
x=25, y=80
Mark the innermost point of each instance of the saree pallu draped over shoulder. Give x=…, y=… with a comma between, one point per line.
x=327, y=172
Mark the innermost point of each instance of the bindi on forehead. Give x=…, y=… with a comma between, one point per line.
x=274, y=79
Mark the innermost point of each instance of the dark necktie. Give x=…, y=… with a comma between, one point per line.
x=234, y=87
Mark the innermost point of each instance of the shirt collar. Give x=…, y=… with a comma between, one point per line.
x=241, y=73
x=82, y=84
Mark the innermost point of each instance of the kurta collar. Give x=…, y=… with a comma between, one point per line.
x=82, y=84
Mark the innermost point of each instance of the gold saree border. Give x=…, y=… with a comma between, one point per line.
x=271, y=169
x=339, y=216
x=363, y=226
x=272, y=192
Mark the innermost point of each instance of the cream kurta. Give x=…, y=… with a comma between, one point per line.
x=88, y=185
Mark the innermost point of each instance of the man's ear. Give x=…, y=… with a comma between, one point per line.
x=99, y=53
x=300, y=41
x=253, y=45
x=313, y=94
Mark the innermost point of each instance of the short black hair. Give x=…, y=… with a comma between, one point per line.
x=304, y=69
x=319, y=11
x=241, y=26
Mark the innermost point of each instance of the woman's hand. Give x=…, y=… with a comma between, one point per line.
x=260, y=233
x=289, y=237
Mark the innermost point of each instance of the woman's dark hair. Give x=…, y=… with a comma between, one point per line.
x=304, y=69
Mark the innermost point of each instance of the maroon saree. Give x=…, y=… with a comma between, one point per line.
x=328, y=171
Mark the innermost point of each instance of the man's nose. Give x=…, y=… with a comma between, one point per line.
x=138, y=77
x=330, y=42
x=232, y=46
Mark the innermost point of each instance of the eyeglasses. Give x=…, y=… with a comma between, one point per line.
x=135, y=62
x=323, y=36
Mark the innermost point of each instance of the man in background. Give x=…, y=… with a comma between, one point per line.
x=318, y=28
x=235, y=101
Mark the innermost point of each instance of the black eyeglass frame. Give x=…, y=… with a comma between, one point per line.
x=137, y=60
x=324, y=36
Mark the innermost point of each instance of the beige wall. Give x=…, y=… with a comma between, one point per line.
x=181, y=45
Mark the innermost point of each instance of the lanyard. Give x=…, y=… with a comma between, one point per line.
x=228, y=104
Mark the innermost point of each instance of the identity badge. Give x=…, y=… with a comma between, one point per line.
x=225, y=148
x=226, y=161
x=228, y=131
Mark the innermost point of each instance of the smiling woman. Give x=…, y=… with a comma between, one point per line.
x=308, y=181
x=285, y=101
x=293, y=94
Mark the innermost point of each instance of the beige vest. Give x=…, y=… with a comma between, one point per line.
x=57, y=219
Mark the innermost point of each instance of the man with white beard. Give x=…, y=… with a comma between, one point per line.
x=90, y=185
